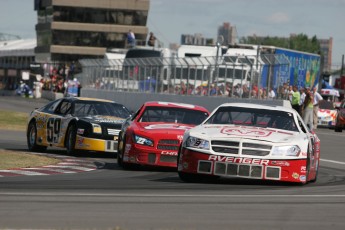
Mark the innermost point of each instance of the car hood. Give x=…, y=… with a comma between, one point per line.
x=228, y=132
x=326, y=112
x=97, y=119
x=159, y=128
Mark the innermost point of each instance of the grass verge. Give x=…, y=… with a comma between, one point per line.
x=12, y=160
x=10, y=120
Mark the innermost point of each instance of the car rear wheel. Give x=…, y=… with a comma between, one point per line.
x=71, y=139
x=31, y=137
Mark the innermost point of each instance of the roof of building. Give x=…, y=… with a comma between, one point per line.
x=22, y=47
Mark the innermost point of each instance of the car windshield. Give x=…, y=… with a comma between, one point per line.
x=172, y=115
x=253, y=117
x=86, y=108
x=342, y=106
x=326, y=105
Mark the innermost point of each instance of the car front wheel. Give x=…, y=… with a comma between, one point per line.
x=32, y=138
x=309, y=162
x=120, y=156
x=192, y=177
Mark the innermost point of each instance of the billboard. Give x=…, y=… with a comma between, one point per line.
x=304, y=69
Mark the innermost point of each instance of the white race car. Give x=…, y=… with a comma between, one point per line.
x=327, y=114
x=251, y=141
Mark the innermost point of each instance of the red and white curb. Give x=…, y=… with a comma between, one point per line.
x=67, y=165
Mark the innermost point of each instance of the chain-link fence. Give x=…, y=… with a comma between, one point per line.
x=233, y=76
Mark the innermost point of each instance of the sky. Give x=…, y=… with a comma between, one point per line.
x=168, y=19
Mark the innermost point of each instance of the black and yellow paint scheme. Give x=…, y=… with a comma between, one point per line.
x=76, y=123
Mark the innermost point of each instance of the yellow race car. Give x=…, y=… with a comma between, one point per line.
x=76, y=123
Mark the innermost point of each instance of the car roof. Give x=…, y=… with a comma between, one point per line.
x=175, y=105
x=259, y=106
x=88, y=99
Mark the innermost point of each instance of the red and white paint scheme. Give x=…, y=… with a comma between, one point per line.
x=326, y=114
x=252, y=141
x=326, y=117
x=154, y=134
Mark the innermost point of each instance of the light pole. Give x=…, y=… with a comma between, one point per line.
x=220, y=41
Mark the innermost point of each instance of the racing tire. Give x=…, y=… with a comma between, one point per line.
x=71, y=137
x=316, y=174
x=120, y=151
x=31, y=137
x=191, y=177
x=120, y=155
x=308, y=168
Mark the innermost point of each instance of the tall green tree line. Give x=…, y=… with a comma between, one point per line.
x=299, y=42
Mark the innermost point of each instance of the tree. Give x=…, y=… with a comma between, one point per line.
x=299, y=42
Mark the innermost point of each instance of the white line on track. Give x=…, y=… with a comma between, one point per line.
x=329, y=134
x=24, y=172
x=171, y=195
x=332, y=161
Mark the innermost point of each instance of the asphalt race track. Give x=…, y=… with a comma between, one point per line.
x=111, y=198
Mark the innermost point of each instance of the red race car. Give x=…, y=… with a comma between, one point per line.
x=152, y=136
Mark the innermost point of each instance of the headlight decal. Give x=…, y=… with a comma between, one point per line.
x=289, y=150
x=96, y=128
x=142, y=140
x=197, y=143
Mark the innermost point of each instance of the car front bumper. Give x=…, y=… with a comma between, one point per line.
x=143, y=155
x=93, y=144
x=243, y=167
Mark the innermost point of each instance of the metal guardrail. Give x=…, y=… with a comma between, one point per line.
x=241, y=77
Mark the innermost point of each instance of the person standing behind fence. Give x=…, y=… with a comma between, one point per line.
x=295, y=98
x=308, y=110
x=316, y=99
x=301, y=101
x=152, y=40
x=289, y=93
x=271, y=94
x=282, y=92
x=130, y=38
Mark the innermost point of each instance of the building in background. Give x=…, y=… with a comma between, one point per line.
x=228, y=32
x=16, y=56
x=196, y=39
x=75, y=29
x=326, y=49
